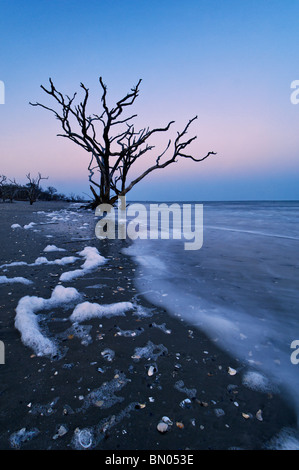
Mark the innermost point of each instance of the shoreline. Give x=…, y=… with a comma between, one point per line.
x=41, y=394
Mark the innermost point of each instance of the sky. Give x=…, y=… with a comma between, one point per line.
x=231, y=63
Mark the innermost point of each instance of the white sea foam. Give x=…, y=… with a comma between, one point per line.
x=26, y=227
x=12, y=280
x=88, y=310
x=257, y=381
x=59, y=261
x=50, y=248
x=16, y=226
x=287, y=439
x=93, y=260
x=26, y=320
x=42, y=260
x=14, y=263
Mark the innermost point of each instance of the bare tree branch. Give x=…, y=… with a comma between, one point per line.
x=113, y=156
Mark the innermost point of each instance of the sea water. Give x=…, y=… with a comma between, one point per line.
x=240, y=288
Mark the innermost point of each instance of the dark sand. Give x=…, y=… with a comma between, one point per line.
x=42, y=394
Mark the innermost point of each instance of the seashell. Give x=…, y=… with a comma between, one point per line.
x=231, y=371
x=185, y=403
x=202, y=403
x=61, y=432
x=179, y=425
x=259, y=415
x=151, y=371
x=166, y=420
x=85, y=438
x=162, y=427
x=99, y=403
x=245, y=415
x=219, y=412
x=136, y=356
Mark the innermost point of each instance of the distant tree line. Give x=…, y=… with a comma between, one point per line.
x=11, y=190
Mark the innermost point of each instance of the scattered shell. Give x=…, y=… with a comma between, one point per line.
x=99, y=403
x=219, y=412
x=151, y=371
x=162, y=427
x=85, y=438
x=245, y=415
x=108, y=354
x=185, y=403
x=62, y=430
x=166, y=420
x=179, y=425
x=231, y=371
x=202, y=403
x=136, y=356
x=259, y=415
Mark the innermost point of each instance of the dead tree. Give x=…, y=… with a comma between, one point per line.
x=112, y=156
x=51, y=191
x=33, y=187
x=12, y=189
x=3, y=183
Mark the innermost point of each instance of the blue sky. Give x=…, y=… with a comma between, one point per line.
x=229, y=62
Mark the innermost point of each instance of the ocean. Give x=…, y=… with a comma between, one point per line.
x=240, y=288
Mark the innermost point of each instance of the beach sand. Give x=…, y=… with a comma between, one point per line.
x=47, y=402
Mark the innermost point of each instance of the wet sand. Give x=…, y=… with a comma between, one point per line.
x=117, y=401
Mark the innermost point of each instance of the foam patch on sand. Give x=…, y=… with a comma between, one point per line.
x=50, y=248
x=28, y=226
x=26, y=320
x=150, y=351
x=12, y=280
x=14, y=263
x=93, y=260
x=59, y=261
x=88, y=310
x=104, y=396
x=257, y=381
x=43, y=260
